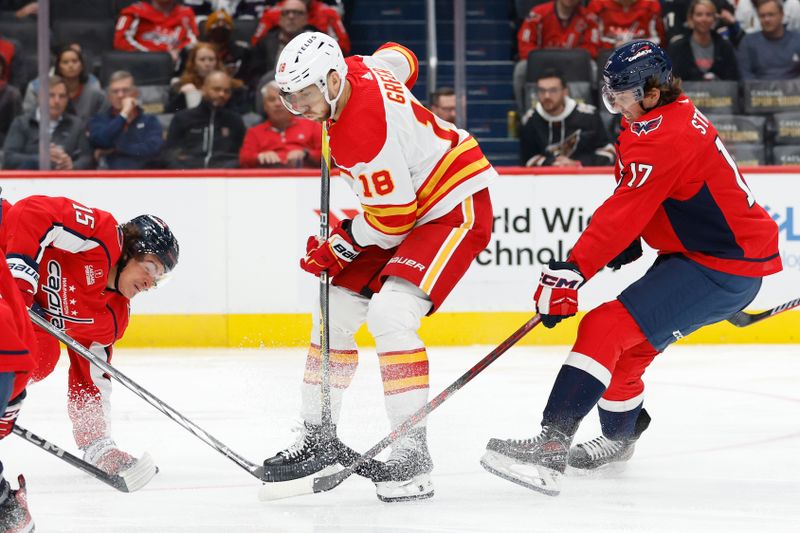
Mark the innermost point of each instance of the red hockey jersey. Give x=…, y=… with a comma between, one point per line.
x=17, y=342
x=65, y=251
x=142, y=27
x=322, y=16
x=620, y=23
x=680, y=190
x=543, y=29
x=302, y=134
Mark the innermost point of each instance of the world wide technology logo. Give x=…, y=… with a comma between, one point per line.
x=785, y=221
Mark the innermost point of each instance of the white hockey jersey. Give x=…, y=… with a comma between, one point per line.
x=406, y=165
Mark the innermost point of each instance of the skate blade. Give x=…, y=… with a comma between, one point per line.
x=140, y=473
x=279, y=490
x=538, y=478
x=606, y=470
x=417, y=488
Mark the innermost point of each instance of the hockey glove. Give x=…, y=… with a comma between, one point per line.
x=8, y=418
x=628, y=255
x=557, y=294
x=332, y=255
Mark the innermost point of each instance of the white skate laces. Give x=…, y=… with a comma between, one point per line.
x=300, y=444
x=602, y=448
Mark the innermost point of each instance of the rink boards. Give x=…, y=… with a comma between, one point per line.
x=242, y=234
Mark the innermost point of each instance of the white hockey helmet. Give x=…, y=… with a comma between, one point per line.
x=306, y=61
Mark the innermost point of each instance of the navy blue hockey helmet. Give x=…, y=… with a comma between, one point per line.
x=629, y=68
x=148, y=234
x=632, y=64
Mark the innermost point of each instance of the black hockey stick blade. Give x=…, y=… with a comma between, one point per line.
x=109, y=479
x=326, y=483
x=742, y=319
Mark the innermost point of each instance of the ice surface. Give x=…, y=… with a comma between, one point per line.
x=722, y=452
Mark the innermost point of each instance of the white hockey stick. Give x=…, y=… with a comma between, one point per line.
x=197, y=431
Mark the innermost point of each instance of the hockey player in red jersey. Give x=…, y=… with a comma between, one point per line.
x=320, y=15
x=422, y=184
x=680, y=191
x=79, y=268
x=16, y=364
x=156, y=26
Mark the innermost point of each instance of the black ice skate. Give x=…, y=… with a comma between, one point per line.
x=311, y=453
x=14, y=515
x=537, y=463
x=409, y=467
x=603, y=451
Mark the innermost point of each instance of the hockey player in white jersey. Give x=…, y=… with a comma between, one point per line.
x=422, y=184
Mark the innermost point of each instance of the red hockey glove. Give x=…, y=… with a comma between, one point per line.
x=628, y=255
x=25, y=290
x=332, y=255
x=8, y=418
x=557, y=294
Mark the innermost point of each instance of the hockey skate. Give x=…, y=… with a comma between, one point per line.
x=603, y=451
x=105, y=455
x=409, y=468
x=291, y=472
x=14, y=514
x=536, y=463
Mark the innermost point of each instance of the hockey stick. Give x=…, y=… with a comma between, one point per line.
x=325, y=483
x=197, y=431
x=109, y=479
x=742, y=319
x=324, y=288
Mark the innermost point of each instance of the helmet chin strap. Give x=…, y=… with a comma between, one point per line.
x=333, y=101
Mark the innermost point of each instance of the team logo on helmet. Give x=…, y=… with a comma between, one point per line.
x=282, y=67
x=641, y=53
x=646, y=126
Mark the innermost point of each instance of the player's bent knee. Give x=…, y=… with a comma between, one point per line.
x=399, y=306
x=607, y=331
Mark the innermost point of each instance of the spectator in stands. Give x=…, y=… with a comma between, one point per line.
x=14, y=73
x=10, y=102
x=85, y=96
x=69, y=147
x=443, y=104
x=560, y=132
x=292, y=22
x=621, y=21
x=124, y=137
x=283, y=140
x=323, y=17
x=186, y=90
x=209, y=135
x=674, y=13
x=239, y=9
x=233, y=54
x=704, y=54
x=156, y=26
x=748, y=18
x=556, y=24
x=774, y=52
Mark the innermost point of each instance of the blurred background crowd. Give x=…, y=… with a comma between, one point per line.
x=189, y=84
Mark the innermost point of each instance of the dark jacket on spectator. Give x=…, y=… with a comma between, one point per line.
x=724, y=67
x=21, y=147
x=577, y=133
x=240, y=101
x=204, y=137
x=10, y=107
x=134, y=144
